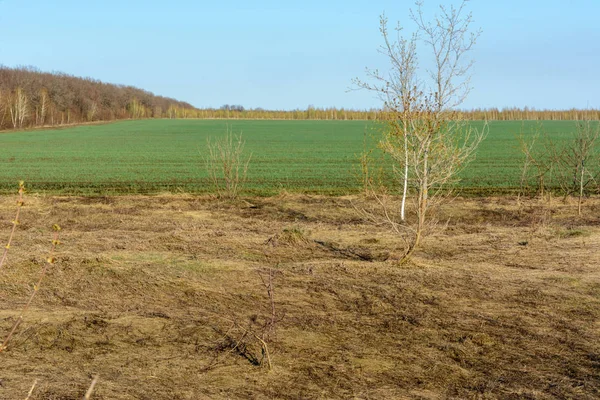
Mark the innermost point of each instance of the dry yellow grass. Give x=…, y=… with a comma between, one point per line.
x=504, y=304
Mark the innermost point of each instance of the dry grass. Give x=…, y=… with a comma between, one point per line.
x=504, y=305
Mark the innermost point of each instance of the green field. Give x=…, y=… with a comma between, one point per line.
x=151, y=156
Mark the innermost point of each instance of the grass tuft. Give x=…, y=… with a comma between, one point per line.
x=290, y=236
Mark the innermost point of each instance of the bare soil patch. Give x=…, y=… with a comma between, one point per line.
x=162, y=298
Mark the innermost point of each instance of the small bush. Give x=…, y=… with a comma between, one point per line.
x=226, y=166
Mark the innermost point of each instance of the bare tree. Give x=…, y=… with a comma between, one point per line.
x=19, y=108
x=398, y=91
x=569, y=165
x=578, y=161
x=539, y=153
x=42, y=109
x=226, y=165
x=428, y=140
x=92, y=110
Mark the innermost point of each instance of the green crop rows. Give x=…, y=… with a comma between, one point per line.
x=166, y=155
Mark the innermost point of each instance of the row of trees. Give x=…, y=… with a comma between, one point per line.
x=342, y=114
x=30, y=98
x=310, y=113
x=331, y=113
x=531, y=114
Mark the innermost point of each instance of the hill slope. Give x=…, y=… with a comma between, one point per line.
x=29, y=97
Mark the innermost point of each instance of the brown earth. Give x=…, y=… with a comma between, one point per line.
x=166, y=297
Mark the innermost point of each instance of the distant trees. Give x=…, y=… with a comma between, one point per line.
x=18, y=106
x=42, y=109
x=136, y=109
x=531, y=114
x=345, y=114
x=317, y=113
x=29, y=97
x=2, y=108
x=232, y=107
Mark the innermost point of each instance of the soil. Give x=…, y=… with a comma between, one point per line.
x=186, y=297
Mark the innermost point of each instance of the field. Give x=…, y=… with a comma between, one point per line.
x=164, y=291
x=160, y=297
x=152, y=156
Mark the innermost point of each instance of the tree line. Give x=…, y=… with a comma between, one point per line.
x=331, y=113
x=30, y=98
x=531, y=114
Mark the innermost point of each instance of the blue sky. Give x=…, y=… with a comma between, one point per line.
x=286, y=55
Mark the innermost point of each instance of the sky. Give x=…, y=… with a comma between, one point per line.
x=279, y=54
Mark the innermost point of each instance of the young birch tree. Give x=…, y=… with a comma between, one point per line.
x=19, y=108
x=426, y=137
x=42, y=109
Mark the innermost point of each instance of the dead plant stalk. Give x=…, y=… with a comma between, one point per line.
x=49, y=262
x=14, y=223
x=88, y=394
x=31, y=390
x=238, y=337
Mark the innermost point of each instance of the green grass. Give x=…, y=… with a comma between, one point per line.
x=165, y=155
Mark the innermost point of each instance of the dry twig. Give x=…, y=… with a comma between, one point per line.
x=15, y=223
x=49, y=262
x=31, y=390
x=88, y=394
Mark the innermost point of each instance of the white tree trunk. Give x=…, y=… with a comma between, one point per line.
x=405, y=183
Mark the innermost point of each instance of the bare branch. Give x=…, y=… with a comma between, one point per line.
x=427, y=141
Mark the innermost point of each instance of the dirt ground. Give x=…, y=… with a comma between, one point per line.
x=167, y=297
